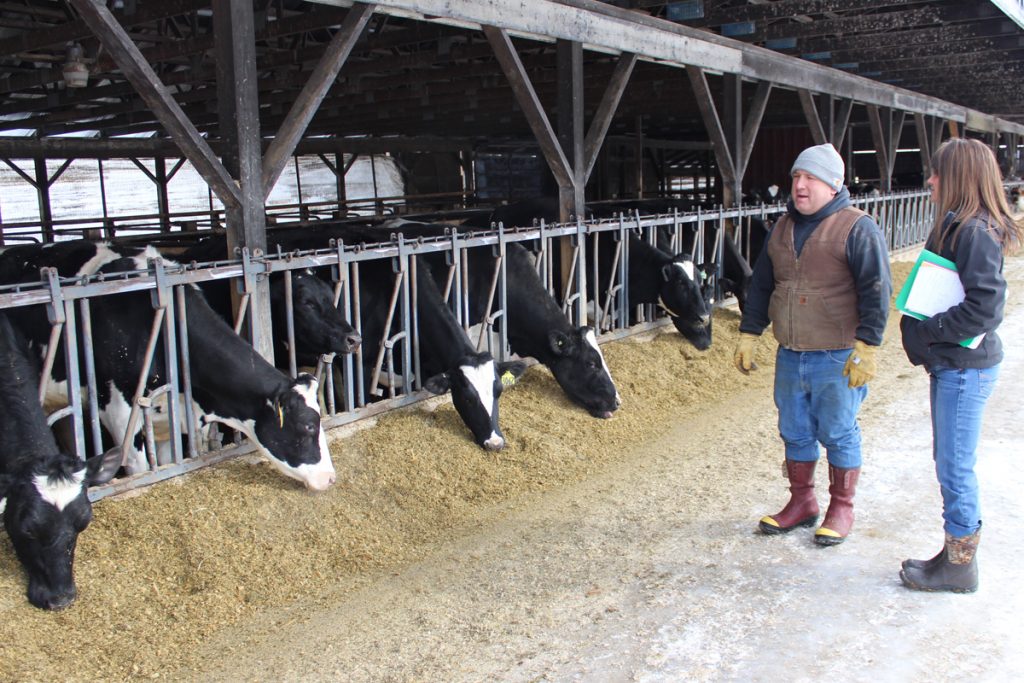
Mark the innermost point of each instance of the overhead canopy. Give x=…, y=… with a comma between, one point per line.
x=423, y=67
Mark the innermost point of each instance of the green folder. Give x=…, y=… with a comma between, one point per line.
x=908, y=286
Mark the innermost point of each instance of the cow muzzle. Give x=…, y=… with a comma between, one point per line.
x=321, y=481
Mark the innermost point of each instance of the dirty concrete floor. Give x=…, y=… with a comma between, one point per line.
x=653, y=571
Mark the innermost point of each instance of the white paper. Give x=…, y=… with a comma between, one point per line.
x=936, y=289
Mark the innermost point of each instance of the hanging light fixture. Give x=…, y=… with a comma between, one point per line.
x=76, y=73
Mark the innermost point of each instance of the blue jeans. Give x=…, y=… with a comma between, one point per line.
x=958, y=398
x=816, y=405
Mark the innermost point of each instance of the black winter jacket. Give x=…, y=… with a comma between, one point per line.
x=936, y=341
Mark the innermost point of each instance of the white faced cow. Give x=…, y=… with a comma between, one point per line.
x=42, y=490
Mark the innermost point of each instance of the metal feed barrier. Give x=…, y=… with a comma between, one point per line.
x=395, y=380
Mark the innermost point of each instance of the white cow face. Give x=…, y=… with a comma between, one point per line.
x=289, y=433
x=476, y=384
x=44, y=510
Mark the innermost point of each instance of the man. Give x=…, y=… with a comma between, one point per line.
x=823, y=283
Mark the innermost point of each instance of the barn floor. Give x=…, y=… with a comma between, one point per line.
x=588, y=550
x=651, y=571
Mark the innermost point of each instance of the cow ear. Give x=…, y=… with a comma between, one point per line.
x=279, y=411
x=510, y=371
x=559, y=343
x=102, y=468
x=438, y=384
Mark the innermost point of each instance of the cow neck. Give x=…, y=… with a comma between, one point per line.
x=443, y=342
x=21, y=418
x=645, y=264
x=533, y=313
x=227, y=373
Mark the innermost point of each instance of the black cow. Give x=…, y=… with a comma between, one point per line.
x=21, y=263
x=319, y=326
x=863, y=189
x=537, y=327
x=449, y=362
x=675, y=283
x=1016, y=200
x=42, y=490
x=519, y=214
x=769, y=194
x=231, y=383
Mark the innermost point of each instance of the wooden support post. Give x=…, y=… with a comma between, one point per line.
x=732, y=126
x=160, y=179
x=924, y=144
x=811, y=114
x=841, y=123
x=1014, y=169
x=238, y=108
x=42, y=185
x=886, y=127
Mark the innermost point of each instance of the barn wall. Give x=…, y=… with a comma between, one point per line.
x=773, y=155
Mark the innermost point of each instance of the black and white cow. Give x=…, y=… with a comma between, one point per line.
x=42, y=490
x=736, y=265
x=673, y=282
x=537, y=327
x=449, y=362
x=319, y=326
x=1017, y=200
x=231, y=383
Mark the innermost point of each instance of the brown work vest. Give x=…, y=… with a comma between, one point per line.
x=814, y=304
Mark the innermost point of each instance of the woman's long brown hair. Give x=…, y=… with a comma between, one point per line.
x=970, y=185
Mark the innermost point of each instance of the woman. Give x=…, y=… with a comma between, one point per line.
x=974, y=228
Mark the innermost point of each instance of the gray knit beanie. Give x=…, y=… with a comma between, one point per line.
x=824, y=163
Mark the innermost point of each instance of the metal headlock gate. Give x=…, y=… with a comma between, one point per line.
x=906, y=219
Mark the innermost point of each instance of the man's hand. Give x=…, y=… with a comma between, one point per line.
x=743, y=357
x=861, y=366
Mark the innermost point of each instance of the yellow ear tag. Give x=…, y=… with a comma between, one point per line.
x=280, y=416
x=508, y=379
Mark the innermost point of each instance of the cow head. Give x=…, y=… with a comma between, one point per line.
x=476, y=383
x=319, y=326
x=45, y=507
x=683, y=297
x=579, y=368
x=289, y=433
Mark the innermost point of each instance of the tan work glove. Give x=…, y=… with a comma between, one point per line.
x=743, y=356
x=861, y=366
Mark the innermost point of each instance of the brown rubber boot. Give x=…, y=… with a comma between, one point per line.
x=955, y=569
x=802, y=508
x=839, y=518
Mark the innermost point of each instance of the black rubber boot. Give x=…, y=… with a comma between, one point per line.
x=925, y=564
x=955, y=569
